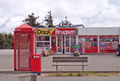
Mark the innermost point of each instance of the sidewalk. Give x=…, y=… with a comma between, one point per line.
x=78, y=78
x=28, y=77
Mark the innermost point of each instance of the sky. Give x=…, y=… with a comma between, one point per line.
x=90, y=13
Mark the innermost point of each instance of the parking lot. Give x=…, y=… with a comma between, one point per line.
x=105, y=62
x=95, y=63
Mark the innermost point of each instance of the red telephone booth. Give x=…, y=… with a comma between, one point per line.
x=24, y=47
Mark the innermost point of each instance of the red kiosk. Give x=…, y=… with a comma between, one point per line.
x=25, y=57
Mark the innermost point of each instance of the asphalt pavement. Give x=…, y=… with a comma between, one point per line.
x=101, y=62
x=105, y=62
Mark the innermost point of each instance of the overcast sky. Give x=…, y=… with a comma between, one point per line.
x=90, y=13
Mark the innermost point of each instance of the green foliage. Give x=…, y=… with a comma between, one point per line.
x=32, y=20
x=6, y=41
x=102, y=75
x=70, y=74
x=65, y=23
x=93, y=72
x=79, y=74
x=49, y=20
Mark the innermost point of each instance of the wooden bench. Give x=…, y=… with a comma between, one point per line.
x=73, y=61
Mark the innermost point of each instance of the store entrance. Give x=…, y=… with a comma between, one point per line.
x=64, y=44
x=59, y=43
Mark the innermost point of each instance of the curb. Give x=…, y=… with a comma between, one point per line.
x=80, y=71
x=17, y=72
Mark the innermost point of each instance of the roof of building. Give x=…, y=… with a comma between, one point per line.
x=24, y=27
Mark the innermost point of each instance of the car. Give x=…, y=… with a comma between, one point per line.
x=118, y=51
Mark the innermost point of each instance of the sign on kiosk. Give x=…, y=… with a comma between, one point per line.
x=44, y=31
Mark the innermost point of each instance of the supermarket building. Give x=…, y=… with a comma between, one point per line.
x=97, y=40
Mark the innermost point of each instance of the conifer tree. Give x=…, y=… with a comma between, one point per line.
x=32, y=20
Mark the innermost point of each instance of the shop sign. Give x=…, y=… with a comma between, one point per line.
x=65, y=31
x=44, y=31
x=109, y=36
x=87, y=36
x=76, y=46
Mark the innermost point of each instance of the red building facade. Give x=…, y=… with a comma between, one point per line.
x=61, y=40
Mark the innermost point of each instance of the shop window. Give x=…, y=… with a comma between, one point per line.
x=59, y=43
x=53, y=41
x=91, y=42
x=42, y=44
x=108, y=44
x=73, y=40
x=88, y=44
x=67, y=43
x=43, y=41
x=43, y=38
x=109, y=39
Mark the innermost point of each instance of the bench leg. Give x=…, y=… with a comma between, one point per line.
x=82, y=68
x=57, y=70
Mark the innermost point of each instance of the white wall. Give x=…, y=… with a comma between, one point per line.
x=99, y=31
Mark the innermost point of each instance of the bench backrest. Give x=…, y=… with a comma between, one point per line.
x=70, y=59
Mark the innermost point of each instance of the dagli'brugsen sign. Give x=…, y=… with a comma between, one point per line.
x=65, y=31
x=56, y=31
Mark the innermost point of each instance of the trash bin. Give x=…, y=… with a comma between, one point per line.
x=36, y=63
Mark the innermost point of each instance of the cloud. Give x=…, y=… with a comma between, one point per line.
x=9, y=26
x=90, y=13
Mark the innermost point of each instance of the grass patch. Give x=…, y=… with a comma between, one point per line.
x=89, y=73
x=92, y=72
x=70, y=74
x=102, y=75
x=78, y=74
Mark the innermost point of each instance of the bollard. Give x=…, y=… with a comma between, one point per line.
x=33, y=77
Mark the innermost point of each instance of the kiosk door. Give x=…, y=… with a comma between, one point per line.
x=24, y=52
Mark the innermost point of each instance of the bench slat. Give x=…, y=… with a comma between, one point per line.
x=69, y=65
x=69, y=57
x=69, y=60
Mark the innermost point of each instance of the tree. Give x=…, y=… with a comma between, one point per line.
x=1, y=40
x=32, y=20
x=6, y=41
x=49, y=20
x=10, y=40
x=65, y=23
